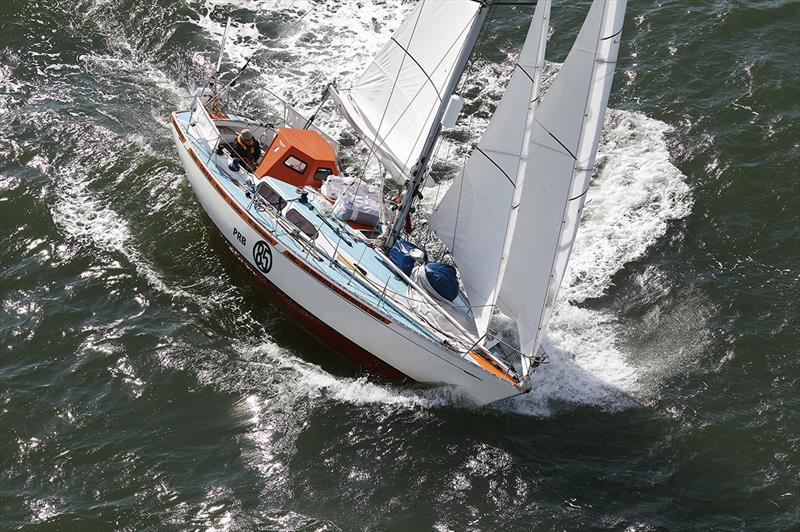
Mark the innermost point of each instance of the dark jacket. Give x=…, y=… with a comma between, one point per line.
x=249, y=155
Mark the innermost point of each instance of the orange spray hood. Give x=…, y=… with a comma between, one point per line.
x=300, y=157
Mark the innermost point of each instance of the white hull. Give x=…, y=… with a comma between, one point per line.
x=335, y=315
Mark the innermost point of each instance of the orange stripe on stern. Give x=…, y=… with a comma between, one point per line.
x=491, y=367
x=178, y=130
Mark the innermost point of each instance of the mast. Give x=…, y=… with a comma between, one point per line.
x=421, y=166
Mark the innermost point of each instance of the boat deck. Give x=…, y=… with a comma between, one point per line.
x=338, y=255
x=370, y=288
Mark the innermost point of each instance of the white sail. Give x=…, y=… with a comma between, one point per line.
x=473, y=217
x=394, y=104
x=564, y=139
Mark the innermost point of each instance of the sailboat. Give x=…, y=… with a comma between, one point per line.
x=332, y=249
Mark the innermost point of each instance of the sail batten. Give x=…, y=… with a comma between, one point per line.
x=473, y=217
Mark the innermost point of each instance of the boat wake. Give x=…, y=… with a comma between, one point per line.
x=313, y=383
x=82, y=217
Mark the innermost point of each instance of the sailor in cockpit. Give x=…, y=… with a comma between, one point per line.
x=246, y=148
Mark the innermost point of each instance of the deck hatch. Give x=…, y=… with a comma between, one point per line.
x=271, y=196
x=302, y=223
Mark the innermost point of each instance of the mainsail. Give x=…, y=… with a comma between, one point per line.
x=395, y=103
x=564, y=138
x=473, y=217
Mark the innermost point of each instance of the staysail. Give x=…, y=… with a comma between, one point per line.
x=394, y=104
x=563, y=146
x=473, y=217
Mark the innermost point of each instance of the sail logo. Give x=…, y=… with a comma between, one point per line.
x=262, y=256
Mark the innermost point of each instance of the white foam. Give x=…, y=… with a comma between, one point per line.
x=126, y=62
x=584, y=366
x=42, y=510
x=242, y=40
x=81, y=214
x=313, y=383
x=8, y=85
x=83, y=217
x=637, y=191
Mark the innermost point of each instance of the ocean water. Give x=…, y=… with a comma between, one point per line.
x=147, y=382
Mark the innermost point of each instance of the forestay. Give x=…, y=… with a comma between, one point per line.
x=564, y=139
x=394, y=103
x=474, y=216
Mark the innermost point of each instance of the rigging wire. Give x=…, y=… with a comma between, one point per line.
x=299, y=20
x=291, y=5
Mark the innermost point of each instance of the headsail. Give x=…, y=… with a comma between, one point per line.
x=564, y=139
x=393, y=106
x=473, y=217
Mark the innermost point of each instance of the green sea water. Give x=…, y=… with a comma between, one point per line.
x=147, y=382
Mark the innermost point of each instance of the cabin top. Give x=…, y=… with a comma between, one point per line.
x=300, y=157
